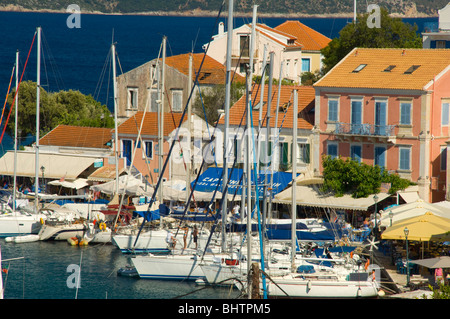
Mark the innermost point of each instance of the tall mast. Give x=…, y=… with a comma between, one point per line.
x=189, y=116
x=38, y=93
x=261, y=103
x=227, y=123
x=116, y=133
x=249, y=150
x=275, y=141
x=294, y=184
x=161, y=122
x=15, y=131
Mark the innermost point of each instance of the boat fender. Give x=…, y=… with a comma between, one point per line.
x=367, y=264
x=42, y=221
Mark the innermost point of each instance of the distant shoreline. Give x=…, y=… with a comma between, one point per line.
x=202, y=13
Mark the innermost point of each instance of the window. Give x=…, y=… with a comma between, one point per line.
x=445, y=114
x=127, y=149
x=411, y=69
x=380, y=118
x=389, y=68
x=405, y=113
x=443, y=158
x=355, y=153
x=440, y=44
x=303, y=152
x=332, y=150
x=306, y=65
x=359, y=68
x=284, y=156
x=244, y=42
x=132, y=98
x=356, y=116
x=333, y=110
x=380, y=156
x=148, y=149
x=153, y=99
x=177, y=100
x=405, y=158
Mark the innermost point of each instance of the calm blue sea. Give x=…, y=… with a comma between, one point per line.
x=43, y=274
x=78, y=59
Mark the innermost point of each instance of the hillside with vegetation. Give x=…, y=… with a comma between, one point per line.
x=407, y=8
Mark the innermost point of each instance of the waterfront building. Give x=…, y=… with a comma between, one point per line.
x=388, y=107
x=66, y=153
x=292, y=42
x=145, y=148
x=281, y=128
x=312, y=42
x=138, y=89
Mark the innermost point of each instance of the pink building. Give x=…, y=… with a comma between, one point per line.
x=388, y=107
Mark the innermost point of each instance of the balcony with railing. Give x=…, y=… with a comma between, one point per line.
x=365, y=129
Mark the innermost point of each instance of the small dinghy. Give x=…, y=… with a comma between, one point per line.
x=128, y=271
x=22, y=239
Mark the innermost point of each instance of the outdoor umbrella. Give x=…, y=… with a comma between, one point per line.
x=403, y=212
x=421, y=228
x=437, y=262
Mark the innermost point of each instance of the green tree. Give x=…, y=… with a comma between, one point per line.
x=393, y=33
x=212, y=100
x=359, y=179
x=63, y=107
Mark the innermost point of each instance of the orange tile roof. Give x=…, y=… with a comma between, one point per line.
x=212, y=71
x=306, y=99
x=431, y=62
x=310, y=39
x=295, y=42
x=77, y=136
x=150, y=125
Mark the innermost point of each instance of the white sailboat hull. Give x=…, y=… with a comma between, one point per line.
x=290, y=287
x=170, y=267
x=18, y=224
x=153, y=241
x=61, y=231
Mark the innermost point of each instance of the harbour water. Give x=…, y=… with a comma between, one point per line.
x=47, y=272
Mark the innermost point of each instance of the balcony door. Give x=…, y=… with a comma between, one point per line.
x=356, y=117
x=380, y=118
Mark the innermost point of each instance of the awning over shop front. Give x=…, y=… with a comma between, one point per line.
x=311, y=195
x=56, y=166
x=212, y=178
x=76, y=184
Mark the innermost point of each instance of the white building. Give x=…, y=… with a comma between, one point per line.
x=284, y=46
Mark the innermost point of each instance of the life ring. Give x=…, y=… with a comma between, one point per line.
x=102, y=226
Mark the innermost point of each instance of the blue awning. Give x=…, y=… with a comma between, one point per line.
x=212, y=177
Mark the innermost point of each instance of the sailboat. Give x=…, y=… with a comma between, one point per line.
x=182, y=264
x=329, y=282
x=16, y=222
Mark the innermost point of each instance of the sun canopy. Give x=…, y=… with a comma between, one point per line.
x=131, y=186
x=76, y=184
x=437, y=262
x=56, y=166
x=421, y=228
x=310, y=195
x=212, y=178
x=409, y=210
